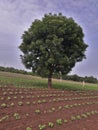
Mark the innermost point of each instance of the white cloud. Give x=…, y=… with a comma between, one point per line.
x=17, y=15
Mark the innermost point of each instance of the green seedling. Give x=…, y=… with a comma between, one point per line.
x=50, y=124
x=3, y=105
x=59, y=121
x=28, y=128
x=42, y=127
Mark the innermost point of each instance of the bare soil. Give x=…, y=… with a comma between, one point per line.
x=25, y=107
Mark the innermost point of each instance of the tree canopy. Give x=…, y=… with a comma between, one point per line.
x=53, y=44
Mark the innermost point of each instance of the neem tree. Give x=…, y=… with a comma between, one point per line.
x=52, y=45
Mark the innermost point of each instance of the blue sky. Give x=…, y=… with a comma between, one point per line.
x=17, y=15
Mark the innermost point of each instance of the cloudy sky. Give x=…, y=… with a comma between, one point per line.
x=16, y=16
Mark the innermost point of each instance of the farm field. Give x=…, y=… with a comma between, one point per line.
x=47, y=109
x=27, y=104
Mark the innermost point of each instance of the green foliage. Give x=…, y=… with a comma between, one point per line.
x=17, y=116
x=50, y=124
x=4, y=118
x=42, y=127
x=52, y=45
x=13, y=70
x=29, y=81
x=37, y=111
x=75, y=77
x=59, y=121
x=90, y=79
x=3, y=105
x=12, y=104
x=28, y=128
x=20, y=103
x=73, y=118
x=65, y=120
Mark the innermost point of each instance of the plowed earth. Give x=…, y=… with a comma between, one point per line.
x=25, y=108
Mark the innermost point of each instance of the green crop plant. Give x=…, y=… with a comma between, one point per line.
x=65, y=121
x=42, y=127
x=88, y=113
x=4, y=118
x=66, y=106
x=84, y=115
x=37, y=111
x=44, y=101
x=20, y=103
x=12, y=104
x=78, y=117
x=50, y=124
x=60, y=107
x=70, y=106
x=28, y=128
x=96, y=112
x=8, y=98
x=15, y=97
x=28, y=103
x=75, y=104
x=11, y=93
x=53, y=109
x=59, y=121
x=4, y=93
x=17, y=116
x=3, y=105
x=73, y=118
x=54, y=100
x=92, y=112
x=39, y=101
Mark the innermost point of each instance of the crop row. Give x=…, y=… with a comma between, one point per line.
x=14, y=90
x=20, y=103
x=50, y=124
x=3, y=105
x=61, y=121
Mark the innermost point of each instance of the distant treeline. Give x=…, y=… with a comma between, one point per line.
x=13, y=70
x=75, y=77
x=88, y=79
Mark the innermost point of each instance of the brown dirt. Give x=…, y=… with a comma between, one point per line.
x=53, y=105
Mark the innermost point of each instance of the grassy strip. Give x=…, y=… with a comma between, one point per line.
x=20, y=80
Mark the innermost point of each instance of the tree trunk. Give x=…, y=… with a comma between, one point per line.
x=50, y=81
